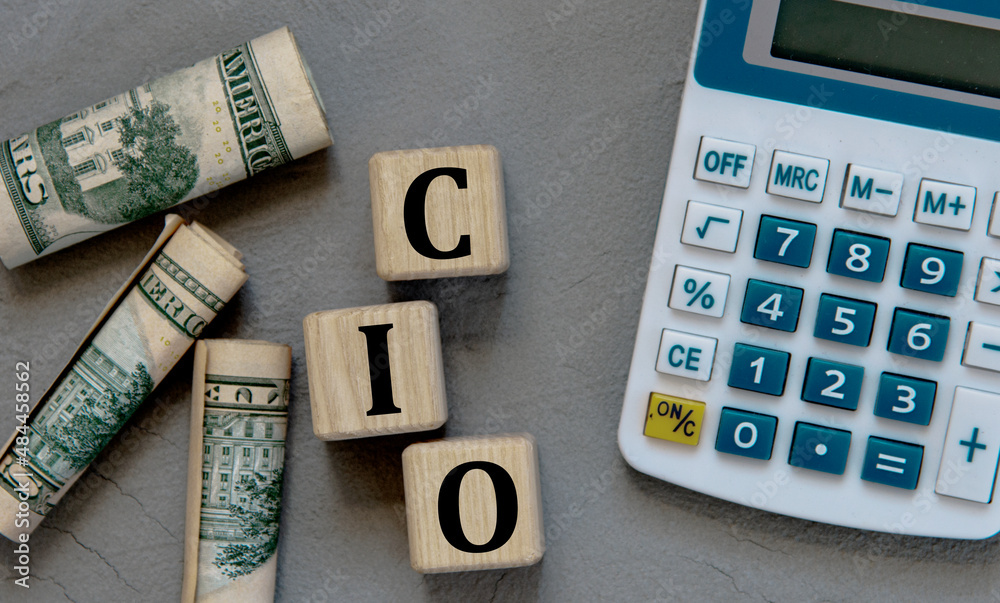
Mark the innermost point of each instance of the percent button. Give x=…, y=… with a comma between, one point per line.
x=699, y=291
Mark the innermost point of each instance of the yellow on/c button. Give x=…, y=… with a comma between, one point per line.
x=674, y=419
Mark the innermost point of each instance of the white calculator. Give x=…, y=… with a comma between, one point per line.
x=820, y=332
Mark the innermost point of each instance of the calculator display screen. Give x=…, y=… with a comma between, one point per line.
x=890, y=44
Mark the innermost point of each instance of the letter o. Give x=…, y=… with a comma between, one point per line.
x=711, y=155
x=449, y=511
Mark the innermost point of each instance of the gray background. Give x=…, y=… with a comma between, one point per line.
x=581, y=98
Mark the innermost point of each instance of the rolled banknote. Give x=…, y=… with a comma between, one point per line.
x=239, y=417
x=176, y=138
x=181, y=285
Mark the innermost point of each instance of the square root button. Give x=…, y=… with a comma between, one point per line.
x=686, y=355
x=971, y=446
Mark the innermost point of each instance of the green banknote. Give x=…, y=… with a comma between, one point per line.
x=178, y=137
x=181, y=286
x=239, y=420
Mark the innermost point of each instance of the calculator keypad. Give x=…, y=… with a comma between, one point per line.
x=833, y=357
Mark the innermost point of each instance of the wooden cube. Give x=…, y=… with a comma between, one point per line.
x=473, y=503
x=375, y=370
x=438, y=212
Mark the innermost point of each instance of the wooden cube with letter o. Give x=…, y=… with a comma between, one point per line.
x=473, y=503
x=438, y=212
x=375, y=370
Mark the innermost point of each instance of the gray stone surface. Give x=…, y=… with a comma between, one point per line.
x=581, y=98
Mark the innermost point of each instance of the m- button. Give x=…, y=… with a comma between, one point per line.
x=971, y=446
x=945, y=204
x=872, y=190
x=724, y=162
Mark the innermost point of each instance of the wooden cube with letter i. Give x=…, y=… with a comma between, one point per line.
x=375, y=370
x=473, y=503
x=438, y=212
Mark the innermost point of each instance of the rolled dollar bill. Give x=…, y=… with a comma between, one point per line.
x=176, y=138
x=181, y=285
x=239, y=417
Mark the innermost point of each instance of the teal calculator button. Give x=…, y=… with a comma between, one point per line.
x=744, y=433
x=918, y=334
x=845, y=320
x=819, y=448
x=759, y=369
x=785, y=241
x=833, y=383
x=857, y=255
x=932, y=269
x=905, y=398
x=892, y=463
x=772, y=305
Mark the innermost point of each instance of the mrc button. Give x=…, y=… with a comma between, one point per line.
x=724, y=162
x=798, y=176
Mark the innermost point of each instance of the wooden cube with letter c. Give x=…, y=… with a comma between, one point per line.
x=473, y=503
x=438, y=212
x=375, y=370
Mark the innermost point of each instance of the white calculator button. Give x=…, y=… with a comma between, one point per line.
x=712, y=226
x=872, y=190
x=699, y=291
x=994, y=230
x=724, y=162
x=971, y=446
x=982, y=346
x=945, y=204
x=988, y=284
x=798, y=176
x=686, y=355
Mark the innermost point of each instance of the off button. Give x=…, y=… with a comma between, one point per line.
x=724, y=162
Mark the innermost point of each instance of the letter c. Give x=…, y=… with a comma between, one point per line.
x=415, y=215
